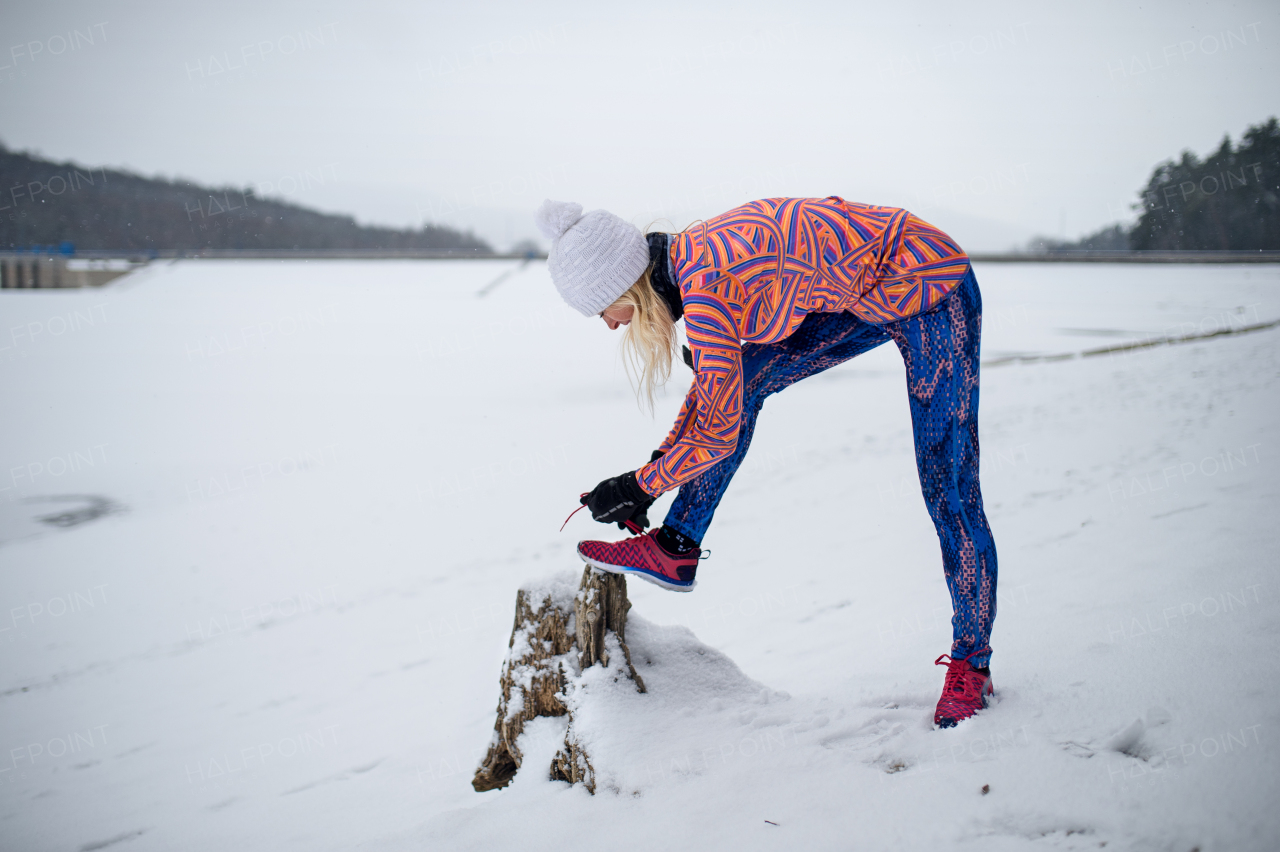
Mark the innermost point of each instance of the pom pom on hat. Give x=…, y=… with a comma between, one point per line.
x=556, y=217
x=595, y=257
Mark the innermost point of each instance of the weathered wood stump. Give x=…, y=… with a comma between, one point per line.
x=531, y=683
x=600, y=607
x=554, y=639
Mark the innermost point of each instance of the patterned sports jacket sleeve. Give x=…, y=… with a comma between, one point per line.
x=707, y=428
x=688, y=413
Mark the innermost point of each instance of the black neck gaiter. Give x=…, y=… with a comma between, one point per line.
x=660, y=277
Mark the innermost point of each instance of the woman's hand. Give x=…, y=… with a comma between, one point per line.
x=618, y=500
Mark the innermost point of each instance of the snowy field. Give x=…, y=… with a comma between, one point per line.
x=263, y=524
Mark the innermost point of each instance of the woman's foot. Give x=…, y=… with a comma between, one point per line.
x=964, y=692
x=645, y=558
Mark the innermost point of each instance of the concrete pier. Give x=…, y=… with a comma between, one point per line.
x=28, y=271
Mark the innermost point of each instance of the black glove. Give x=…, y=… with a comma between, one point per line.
x=620, y=499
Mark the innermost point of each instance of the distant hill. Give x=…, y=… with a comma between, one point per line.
x=1229, y=201
x=46, y=203
x=1110, y=238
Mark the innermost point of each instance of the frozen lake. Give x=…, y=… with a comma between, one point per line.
x=261, y=526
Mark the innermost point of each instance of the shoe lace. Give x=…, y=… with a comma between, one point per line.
x=571, y=514
x=957, y=686
x=635, y=528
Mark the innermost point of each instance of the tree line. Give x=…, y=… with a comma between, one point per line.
x=1228, y=201
x=45, y=203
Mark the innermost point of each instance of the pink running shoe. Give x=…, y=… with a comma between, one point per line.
x=643, y=556
x=964, y=692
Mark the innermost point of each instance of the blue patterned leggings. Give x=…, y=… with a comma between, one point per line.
x=940, y=350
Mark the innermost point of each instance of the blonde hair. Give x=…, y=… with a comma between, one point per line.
x=649, y=343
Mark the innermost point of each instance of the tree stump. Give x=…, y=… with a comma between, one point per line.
x=554, y=639
x=601, y=606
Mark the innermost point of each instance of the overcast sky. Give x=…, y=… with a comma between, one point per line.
x=1020, y=118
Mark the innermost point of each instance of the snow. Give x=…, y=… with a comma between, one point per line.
x=694, y=695
x=324, y=482
x=560, y=588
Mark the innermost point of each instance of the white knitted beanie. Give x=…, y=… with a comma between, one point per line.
x=594, y=258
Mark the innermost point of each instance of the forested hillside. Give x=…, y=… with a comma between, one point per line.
x=1229, y=201
x=46, y=203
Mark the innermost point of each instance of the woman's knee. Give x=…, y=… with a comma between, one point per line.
x=942, y=499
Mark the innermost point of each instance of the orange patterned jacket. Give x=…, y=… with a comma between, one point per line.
x=753, y=274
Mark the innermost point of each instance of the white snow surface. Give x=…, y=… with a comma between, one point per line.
x=287, y=507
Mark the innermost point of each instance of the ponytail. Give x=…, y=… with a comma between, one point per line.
x=649, y=343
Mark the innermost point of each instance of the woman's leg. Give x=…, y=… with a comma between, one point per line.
x=941, y=352
x=821, y=341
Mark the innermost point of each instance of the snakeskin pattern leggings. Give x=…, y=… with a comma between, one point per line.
x=940, y=350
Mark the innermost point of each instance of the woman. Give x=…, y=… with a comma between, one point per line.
x=771, y=292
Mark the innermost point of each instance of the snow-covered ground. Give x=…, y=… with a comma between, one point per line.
x=263, y=524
